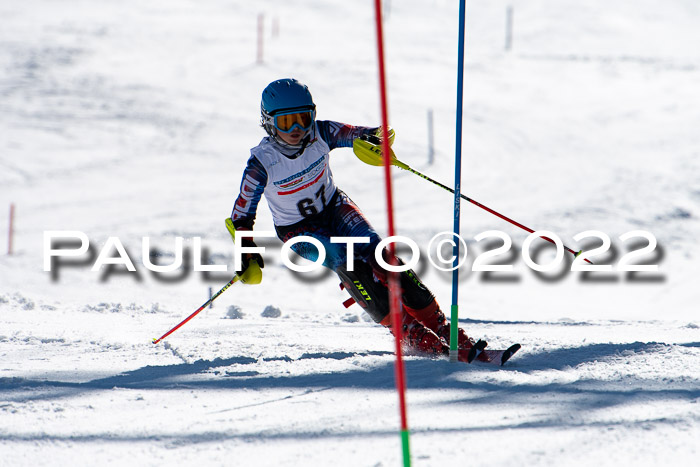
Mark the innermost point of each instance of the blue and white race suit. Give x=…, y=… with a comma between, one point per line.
x=304, y=200
x=302, y=194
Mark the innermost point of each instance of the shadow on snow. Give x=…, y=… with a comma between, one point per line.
x=422, y=373
x=559, y=400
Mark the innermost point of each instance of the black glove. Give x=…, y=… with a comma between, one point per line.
x=247, y=257
x=371, y=138
x=377, y=135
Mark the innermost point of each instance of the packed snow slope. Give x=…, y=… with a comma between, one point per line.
x=134, y=120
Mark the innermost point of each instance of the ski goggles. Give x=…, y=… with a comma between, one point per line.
x=286, y=123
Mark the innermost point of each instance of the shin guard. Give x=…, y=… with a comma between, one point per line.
x=369, y=293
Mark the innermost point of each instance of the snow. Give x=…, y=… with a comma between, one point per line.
x=134, y=119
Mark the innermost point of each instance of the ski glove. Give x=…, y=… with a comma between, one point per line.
x=375, y=136
x=379, y=133
x=246, y=258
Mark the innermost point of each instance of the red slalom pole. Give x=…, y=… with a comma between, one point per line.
x=235, y=279
x=394, y=287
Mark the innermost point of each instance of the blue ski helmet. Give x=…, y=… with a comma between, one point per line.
x=284, y=97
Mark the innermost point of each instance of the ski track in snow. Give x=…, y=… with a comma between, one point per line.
x=133, y=120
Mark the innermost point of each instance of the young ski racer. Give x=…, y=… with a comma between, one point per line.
x=291, y=167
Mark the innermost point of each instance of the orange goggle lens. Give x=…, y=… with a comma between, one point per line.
x=285, y=123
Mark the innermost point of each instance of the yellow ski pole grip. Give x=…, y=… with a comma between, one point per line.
x=369, y=150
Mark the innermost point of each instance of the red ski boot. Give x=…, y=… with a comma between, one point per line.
x=434, y=319
x=464, y=342
x=418, y=337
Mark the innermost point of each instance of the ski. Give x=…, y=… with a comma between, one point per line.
x=497, y=357
x=478, y=353
x=476, y=350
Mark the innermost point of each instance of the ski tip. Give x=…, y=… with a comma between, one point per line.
x=476, y=349
x=509, y=353
x=155, y=341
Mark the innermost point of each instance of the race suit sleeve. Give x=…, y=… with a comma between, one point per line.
x=252, y=187
x=341, y=135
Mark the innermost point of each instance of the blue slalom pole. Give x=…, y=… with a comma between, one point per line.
x=454, y=310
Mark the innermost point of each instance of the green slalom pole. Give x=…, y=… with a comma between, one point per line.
x=405, y=447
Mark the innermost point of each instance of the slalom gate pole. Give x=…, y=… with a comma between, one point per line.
x=261, y=30
x=394, y=287
x=235, y=279
x=11, y=230
x=454, y=309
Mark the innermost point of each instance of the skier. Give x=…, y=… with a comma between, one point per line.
x=291, y=166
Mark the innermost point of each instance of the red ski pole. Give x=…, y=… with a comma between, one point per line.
x=488, y=209
x=367, y=149
x=235, y=279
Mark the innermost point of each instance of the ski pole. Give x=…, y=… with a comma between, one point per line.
x=235, y=279
x=369, y=152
